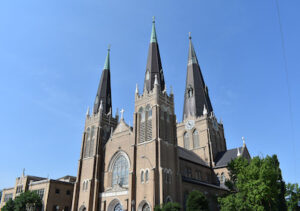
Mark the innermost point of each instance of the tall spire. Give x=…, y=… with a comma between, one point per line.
x=196, y=98
x=103, y=96
x=154, y=66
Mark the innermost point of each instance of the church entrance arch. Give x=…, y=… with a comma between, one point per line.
x=115, y=205
x=82, y=208
x=144, y=206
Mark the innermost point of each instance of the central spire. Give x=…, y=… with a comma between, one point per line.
x=154, y=66
x=103, y=96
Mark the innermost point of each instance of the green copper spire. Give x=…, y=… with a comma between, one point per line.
x=107, y=62
x=153, y=33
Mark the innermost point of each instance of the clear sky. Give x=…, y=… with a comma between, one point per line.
x=52, y=54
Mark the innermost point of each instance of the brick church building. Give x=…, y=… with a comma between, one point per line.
x=158, y=159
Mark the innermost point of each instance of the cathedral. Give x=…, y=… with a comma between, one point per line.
x=158, y=159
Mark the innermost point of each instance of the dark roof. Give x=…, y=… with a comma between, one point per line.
x=196, y=92
x=104, y=90
x=223, y=158
x=154, y=66
x=190, y=156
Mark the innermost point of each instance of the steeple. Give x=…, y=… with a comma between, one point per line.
x=196, y=98
x=154, y=66
x=104, y=89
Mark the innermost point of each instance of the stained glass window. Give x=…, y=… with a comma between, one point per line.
x=120, y=171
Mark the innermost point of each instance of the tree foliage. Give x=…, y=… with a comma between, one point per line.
x=292, y=196
x=9, y=206
x=25, y=201
x=196, y=201
x=170, y=206
x=255, y=185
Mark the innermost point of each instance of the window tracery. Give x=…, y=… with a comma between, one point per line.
x=120, y=171
x=196, y=139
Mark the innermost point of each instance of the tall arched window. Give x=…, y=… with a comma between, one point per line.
x=146, y=175
x=87, y=142
x=142, y=176
x=92, y=140
x=142, y=125
x=186, y=141
x=120, y=171
x=148, y=123
x=195, y=139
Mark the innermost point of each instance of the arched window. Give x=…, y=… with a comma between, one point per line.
x=142, y=125
x=147, y=175
x=118, y=207
x=142, y=113
x=142, y=176
x=87, y=142
x=222, y=177
x=92, y=140
x=148, y=123
x=146, y=207
x=186, y=141
x=190, y=92
x=195, y=139
x=120, y=171
x=149, y=112
x=147, y=74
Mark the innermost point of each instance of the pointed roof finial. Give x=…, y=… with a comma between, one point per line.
x=107, y=61
x=122, y=114
x=23, y=173
x=153, y=33
x=88, y=111
x=190, y=36
x=136, y=89
x=171, y=90
x=238, y=152
x=204, y=110
x=244, y=143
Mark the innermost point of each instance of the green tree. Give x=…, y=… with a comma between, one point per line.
x=196, y=201
x=170, y=206
x=255, y=185
x=292, y=196
x=9, y=206
x=28, y=201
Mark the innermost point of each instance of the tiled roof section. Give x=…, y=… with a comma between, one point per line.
x=190, y=155
x=223, y=158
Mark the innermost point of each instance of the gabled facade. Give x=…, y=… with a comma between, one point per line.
x=157, y=160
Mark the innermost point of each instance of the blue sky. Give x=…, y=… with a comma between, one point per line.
x=52, y=54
